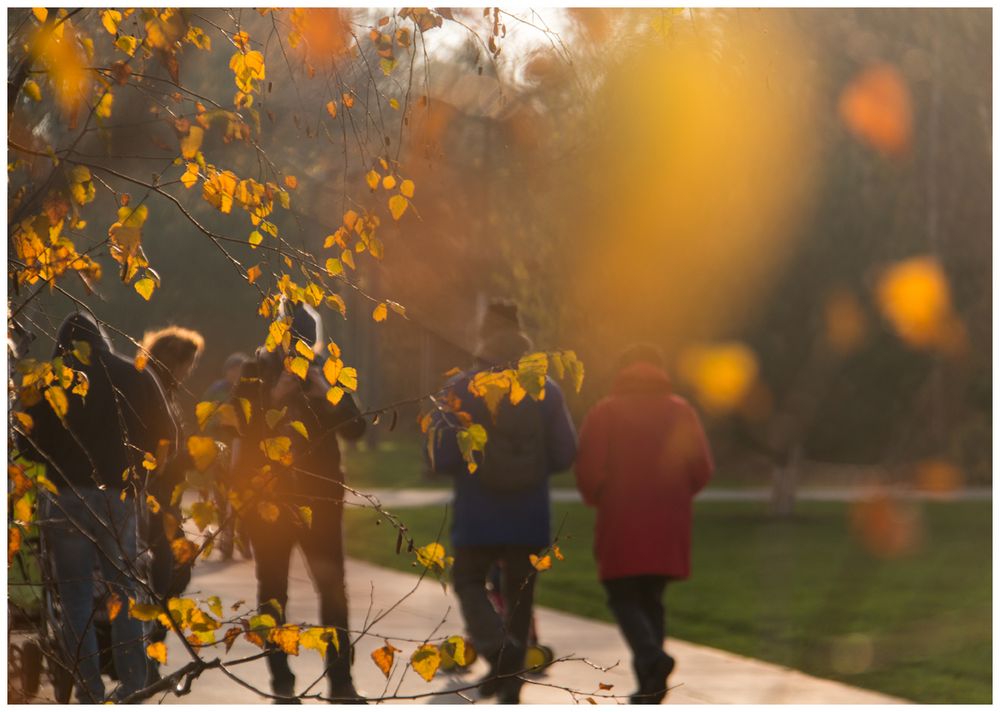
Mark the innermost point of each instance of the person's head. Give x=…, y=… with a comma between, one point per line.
x=501, y=316
x=641, y=353
x=501, y=341
x=233, y=365
x=173, y=352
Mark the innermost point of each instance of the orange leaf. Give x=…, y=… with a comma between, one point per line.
x=384, y=657
x=292, y=182
x=114, y=605
x=397, y=206
x=381, y=312
x=541, y=563
x=331, y=109
x=158, y=652
x=253, y=273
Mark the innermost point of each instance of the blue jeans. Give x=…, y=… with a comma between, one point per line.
x=90, y=529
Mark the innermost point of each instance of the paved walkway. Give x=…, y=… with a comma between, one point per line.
x=422, y=497
x=703, y=675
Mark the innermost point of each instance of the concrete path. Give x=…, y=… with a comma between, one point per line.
x=420, y=497
x=703, y=675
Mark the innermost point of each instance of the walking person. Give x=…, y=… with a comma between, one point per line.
x=501, y=512
x=173, y=353
x=313, y=479
x=221, y=391
x=643, y=457
x=93, y=522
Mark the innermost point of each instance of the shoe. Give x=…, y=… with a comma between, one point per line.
x=653, y=687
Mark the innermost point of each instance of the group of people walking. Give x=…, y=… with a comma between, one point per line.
x=639, y=458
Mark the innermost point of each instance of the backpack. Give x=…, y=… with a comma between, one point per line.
x=515, y=458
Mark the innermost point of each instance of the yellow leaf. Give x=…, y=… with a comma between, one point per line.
x=268, y=511
x=394, y=103
x=348, y=100
x=335, y=301
x=348, y=378
x=114, y=606
x=56, y=397
x=334, y=395
x=143, y=611
x=27, y=422
x=407, y=187
x=347, y=257
x=127, y=44
x=278, y=449
x=202, y=451
x=397, y=206
x=306, y=515
x=145, y=287
x=158, y=652
x=372, y=178
x=110, y=19
x=33, y=91
x=141, y=359
x=40, y=13
x=331, y=109
x=319, y=638
x=183, y=550
x=299, y=366
x=103, y=110
x=303, y=350
x=333, y=267
x=299, y=427
x=384, y=657
x=190, y=176
x=389, y=182
x=286, y=637
x=253, y=273
x=245, y=407
x=557, y=552
x=13, y=543
x=149, y=461
x=191, y=144
x=381, y=312
x=426, y=660
x=256, y=238
x=455, y=649
x=291, y=182
x=397, y=307
x=432, y=556
x=203, y=411
x=541, y=563
x=152, y=504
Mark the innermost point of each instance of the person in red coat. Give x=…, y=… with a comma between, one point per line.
x=643, y=456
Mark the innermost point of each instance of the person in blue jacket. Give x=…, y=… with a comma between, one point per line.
x=501, y=511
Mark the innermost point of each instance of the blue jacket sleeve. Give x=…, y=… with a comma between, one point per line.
x=442, y=446
x=560, y=432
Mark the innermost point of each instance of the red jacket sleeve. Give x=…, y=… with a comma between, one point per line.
x=591, y=467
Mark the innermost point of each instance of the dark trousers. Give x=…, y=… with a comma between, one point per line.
x=323, y=546
x=637, y=604
x=501, y=639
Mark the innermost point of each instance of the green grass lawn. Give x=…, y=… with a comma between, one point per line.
x=800, y=592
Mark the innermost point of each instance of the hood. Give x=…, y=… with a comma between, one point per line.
x=642, y=378
x=503, y=348
x=80, y=326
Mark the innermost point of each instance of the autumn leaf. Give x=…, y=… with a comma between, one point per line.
x=202, y=450
x=331, y=109
x=56, y=397
x=27, y=422
x=253, y=274
x=255, y=238
x=455, y=649
x=347, y=257
x=397, y=307
x=286, y=637
x=348, y=100
x=542, y=563
x=291, y=182
x=397, y=206
x=299, y=366
x=13, y=543
x=191, y=143
x=299, y=427
x=32, y=90
x=384, y=657
x=103, y=108
x=348, y=378
x=273, y=416
x=158, y=652
x=306, y=515
x=190, y=176
x=381, y=312
x=426, y=660
x=40, y=13
x=277, y=449
x=334, y=395
x=407, y=187
x=372, y=178
x=152, y=504
x=114, y=606
x=143, y=611
x=389, y=182
x=184, y=550
x=470, y=441
x=319, y=638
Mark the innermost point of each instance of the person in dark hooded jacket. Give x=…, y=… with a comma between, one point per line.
x=643, y=457
x=89, y=524
x=495, y=520
x=308, y=475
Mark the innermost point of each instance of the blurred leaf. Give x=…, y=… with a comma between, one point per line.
x=202, y=450
x=426, y=660
x=397, y=206
x=381, y=312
